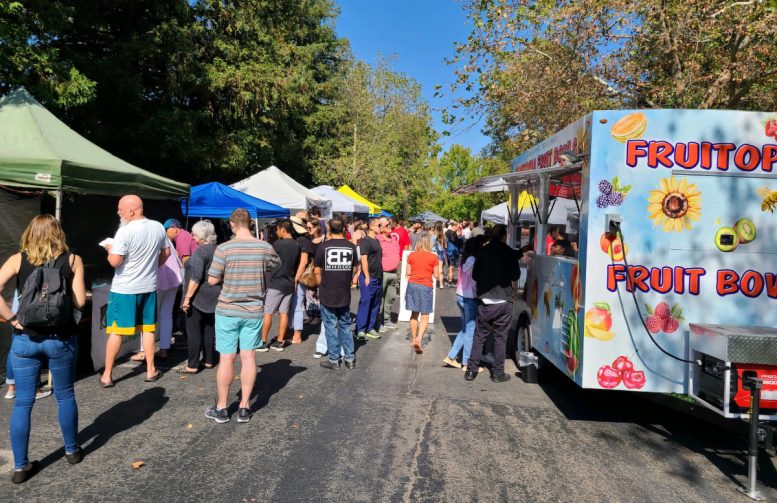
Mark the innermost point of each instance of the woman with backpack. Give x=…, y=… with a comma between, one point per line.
x=46, y=334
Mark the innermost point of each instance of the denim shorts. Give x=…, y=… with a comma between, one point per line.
x=418, y=298
x=232, y=332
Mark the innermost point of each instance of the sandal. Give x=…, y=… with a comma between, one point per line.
x=138, y=357
x=104, y=384
x=186, y=370
x=154, y=377
x=447, y=362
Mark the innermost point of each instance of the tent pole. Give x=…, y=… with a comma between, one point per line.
x=58, y=205
x=256, y=222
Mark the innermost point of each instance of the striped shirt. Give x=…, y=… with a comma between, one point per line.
x=241, y=265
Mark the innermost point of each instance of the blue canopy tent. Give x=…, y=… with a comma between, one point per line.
x=219, y=201
x=383, y=213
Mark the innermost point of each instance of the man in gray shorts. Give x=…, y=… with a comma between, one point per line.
x=280, y=286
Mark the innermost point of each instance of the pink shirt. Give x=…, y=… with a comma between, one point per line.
x=390, y=248
x=185, y=244
x=169, y=274
x=466, y=286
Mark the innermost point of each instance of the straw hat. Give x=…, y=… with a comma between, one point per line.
x=299, y=225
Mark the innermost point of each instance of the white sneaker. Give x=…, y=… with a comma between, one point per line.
x=317, y=355
x=10, y=395
x=42, y=393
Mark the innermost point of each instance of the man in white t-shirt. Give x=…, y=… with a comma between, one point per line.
x=139, y=247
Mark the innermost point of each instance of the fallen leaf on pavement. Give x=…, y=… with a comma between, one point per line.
x=295, y=426
x=189, y=426
x=137, y=464
x=301, y=397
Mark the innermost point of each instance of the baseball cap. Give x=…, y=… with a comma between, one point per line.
x=172, y=222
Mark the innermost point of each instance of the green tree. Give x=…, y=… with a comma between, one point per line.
x=197, y=90
x=533, y=66
x=386, y=139
x=458, y=167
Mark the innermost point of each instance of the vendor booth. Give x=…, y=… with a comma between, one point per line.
x=427, y=217
x=340, y=202
x=41, y=156
x=217, y=200
x=275, y=186
x=373, y=208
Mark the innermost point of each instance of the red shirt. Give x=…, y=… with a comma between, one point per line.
x=185, y=244
x=422, y=264
x=404, y=238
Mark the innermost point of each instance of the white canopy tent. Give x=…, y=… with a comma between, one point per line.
x=277, y=187
x=563, y=212
x=340, y=202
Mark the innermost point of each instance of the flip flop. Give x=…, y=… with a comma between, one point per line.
x=183, y=370
x=155, y=377
x=138, y=357
x=417, y=348
x=103, y=384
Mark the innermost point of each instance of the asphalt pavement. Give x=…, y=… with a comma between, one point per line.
x=400, y=427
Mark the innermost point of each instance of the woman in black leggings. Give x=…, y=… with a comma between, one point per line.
x=199, y=300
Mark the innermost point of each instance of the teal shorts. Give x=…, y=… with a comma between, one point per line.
x=231, y=330
x=131, y=313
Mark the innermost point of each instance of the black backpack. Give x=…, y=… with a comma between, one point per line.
x=45, y=300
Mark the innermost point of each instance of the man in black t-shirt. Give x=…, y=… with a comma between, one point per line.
x=370, y=284
x=334, y=263
x=280, y=284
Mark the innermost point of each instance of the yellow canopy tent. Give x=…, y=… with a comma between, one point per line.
x=348, y=191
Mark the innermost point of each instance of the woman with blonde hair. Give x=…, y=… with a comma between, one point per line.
x=43, y=246
x=422, y=266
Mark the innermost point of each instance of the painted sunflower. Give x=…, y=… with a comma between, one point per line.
x=675, y=204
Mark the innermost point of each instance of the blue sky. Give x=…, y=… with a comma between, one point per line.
x=420, y=34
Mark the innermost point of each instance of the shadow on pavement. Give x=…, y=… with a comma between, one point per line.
x=677, y=423
x=122, y=416
x=273, y=378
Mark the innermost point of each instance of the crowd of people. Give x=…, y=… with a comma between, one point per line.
x=300, y=268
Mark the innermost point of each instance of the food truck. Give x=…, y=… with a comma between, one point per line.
x=676, y=234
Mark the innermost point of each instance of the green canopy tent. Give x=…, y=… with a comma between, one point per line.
x=39, y=151
x=40, y=154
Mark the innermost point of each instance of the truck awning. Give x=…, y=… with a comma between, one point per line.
x=559, y=176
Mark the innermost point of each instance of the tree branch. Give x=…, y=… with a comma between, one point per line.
x=735, y=4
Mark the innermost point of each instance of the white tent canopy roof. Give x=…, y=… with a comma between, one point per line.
x=340, y=202
x=561, y=210
x=277, y=187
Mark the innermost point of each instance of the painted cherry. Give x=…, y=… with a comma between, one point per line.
x=622, y=364
x=608, y=377
x=634, y=379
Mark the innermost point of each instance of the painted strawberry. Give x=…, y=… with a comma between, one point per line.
x=662, y=310
x=654, y=324
x=771, y=128
x=671, y=325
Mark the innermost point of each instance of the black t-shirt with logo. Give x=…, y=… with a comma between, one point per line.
x=282, y=278
x=370, y=248
x=336, y=258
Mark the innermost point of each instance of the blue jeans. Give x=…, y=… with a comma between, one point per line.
x=27, y=355
x=9, y=370
x=469, y=316
x=298, y=301
x=369, y=303
x=337, y=323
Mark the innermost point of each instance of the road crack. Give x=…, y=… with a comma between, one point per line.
x=420, y=454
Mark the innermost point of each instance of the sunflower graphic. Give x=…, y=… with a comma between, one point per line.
x=675, y=204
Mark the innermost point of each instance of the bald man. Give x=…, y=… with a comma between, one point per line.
x=139, y=248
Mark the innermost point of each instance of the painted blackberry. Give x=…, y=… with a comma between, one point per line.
x=602, y=201
x=615, y=198
x=605, y=187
